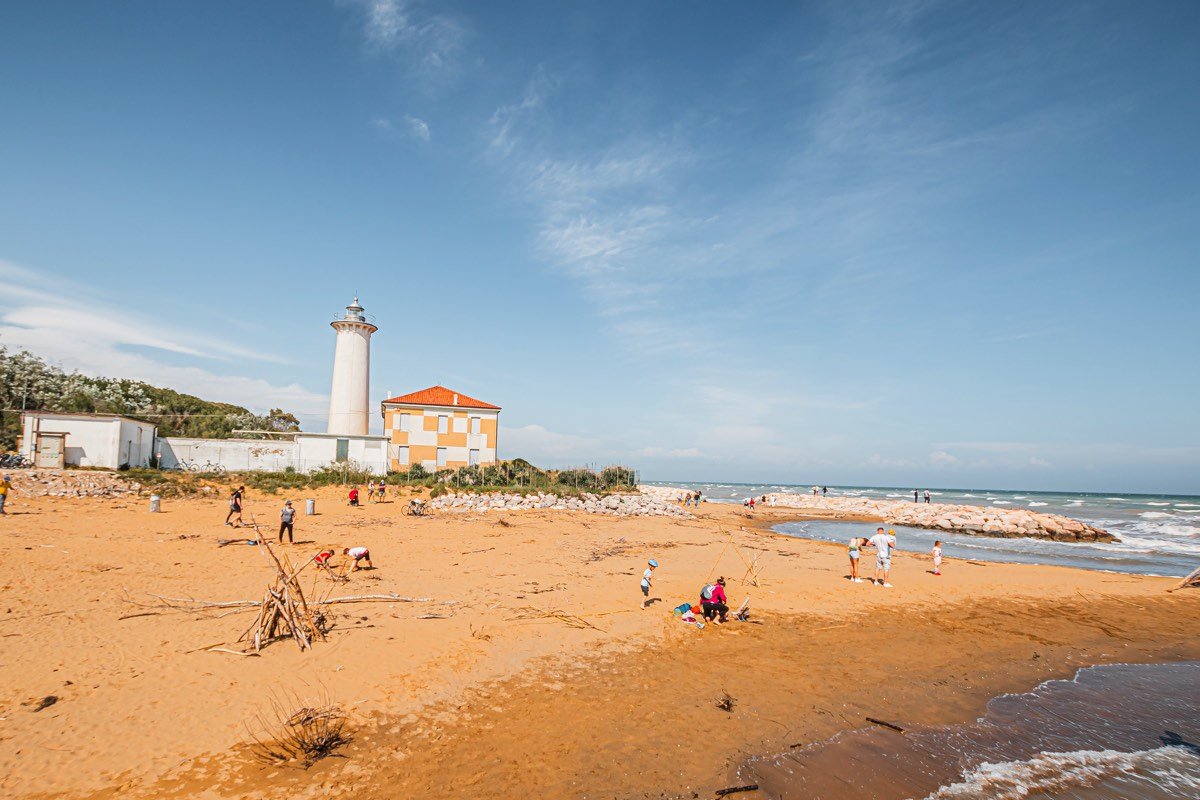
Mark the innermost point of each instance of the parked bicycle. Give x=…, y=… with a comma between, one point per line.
x=14, y=461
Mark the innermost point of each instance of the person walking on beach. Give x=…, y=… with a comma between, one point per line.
x=883, y=544
x=824, y=491
x=370, y=490
x=380, y=490
x=287, y=519
x=856, y=543
x=926, y=495
x=915, y=496
x=936, y=552
x=647, y=578
x=235, y=507
x=5, y=488
x=699, y=494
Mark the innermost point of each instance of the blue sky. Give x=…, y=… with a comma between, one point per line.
x=949, y=244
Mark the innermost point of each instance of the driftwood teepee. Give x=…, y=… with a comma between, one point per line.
x=1192, y=579
x=284, y=610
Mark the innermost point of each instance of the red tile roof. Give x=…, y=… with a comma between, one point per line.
x=440, y=396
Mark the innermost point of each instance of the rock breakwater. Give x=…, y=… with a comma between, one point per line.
x=619, y=505
x=984, y=520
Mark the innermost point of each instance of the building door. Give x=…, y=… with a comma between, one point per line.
x=50, y=451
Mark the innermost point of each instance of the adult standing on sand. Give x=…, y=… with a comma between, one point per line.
x=883, y=544
x=856, y=543
x=235, y=506
x=916, y=496
x=926, y=495
x=287, y=519
x=5, y=488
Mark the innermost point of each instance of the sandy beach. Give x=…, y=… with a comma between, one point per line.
x=488, y=695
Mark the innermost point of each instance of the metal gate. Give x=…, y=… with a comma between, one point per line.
x=50, y=451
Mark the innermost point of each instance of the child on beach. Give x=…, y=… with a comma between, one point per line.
x=235, y=507
x=5, y=488
x=322, y=559
x=370, y=490
x=856, y=543
x=359, y=554
x=647, y=577
x=936, y=552
x=353, y=495
x=379, y=490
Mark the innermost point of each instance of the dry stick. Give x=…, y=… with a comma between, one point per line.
x=891, y=725
x=231, y=652
x=1193, y=578
x=142, y=614
x=735, y=789
x=365, y=598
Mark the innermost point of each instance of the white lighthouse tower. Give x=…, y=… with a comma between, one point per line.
x=349, y=401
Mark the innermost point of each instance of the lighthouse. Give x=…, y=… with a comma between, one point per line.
x=349, y=395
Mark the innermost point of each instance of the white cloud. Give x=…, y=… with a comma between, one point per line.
x=75, y=329
x=940, y=459
x=433, y=40
x=418, y=127
x=540, y=446
x=669, y=452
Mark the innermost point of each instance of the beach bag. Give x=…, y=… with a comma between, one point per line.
x=707, y=592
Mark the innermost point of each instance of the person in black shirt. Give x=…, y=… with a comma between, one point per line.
x=235, y=507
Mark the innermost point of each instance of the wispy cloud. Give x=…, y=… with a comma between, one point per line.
x=72, y=327
x=433, y=40
x=418, y=127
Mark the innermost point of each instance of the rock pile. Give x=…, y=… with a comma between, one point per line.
x=619, y=505
x=71, y=483
x=986, y=520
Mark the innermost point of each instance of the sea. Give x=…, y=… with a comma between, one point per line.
x=1116, y=732
x=1159, y=534
x=1113, y=732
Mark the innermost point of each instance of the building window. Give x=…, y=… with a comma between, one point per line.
x=401, y=455
x=473, y=458
x=443, y=424
x=460, y=424
x=403, y=428
x=476, y=425
x=343, y=449
x=441, y=455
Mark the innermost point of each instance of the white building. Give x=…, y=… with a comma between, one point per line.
x=53, y=439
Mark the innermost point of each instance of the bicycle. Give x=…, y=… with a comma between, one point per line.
x=412, y=509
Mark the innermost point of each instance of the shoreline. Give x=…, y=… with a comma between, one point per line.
x=465, y=698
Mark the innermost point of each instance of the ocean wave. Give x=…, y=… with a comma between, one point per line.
x=1156, y=515
x=1036, y=503
x=1188, y=505
x=1118, y=499
x=1001, y=503
x=1173, y=768
x=1155, y=504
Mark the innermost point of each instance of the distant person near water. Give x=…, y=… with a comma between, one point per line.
x=647, y=579
x=883, y=544
x=916, y=498
x=235, y=507
x=5, y=488
x=824, y=491
x=936, y=552
x=287, y=520
x=926, y=495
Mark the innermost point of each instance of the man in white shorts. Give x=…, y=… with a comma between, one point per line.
x=883, y=544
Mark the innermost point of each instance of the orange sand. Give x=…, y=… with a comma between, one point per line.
x=481, y=704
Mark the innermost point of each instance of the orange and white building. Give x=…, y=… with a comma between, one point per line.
x=440, y=429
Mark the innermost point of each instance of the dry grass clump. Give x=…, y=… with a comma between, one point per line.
x=303, y=736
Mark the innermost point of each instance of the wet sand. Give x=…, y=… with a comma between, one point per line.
x=479, y=702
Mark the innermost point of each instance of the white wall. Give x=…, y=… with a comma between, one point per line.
x=93, y=441
x=305, y=453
